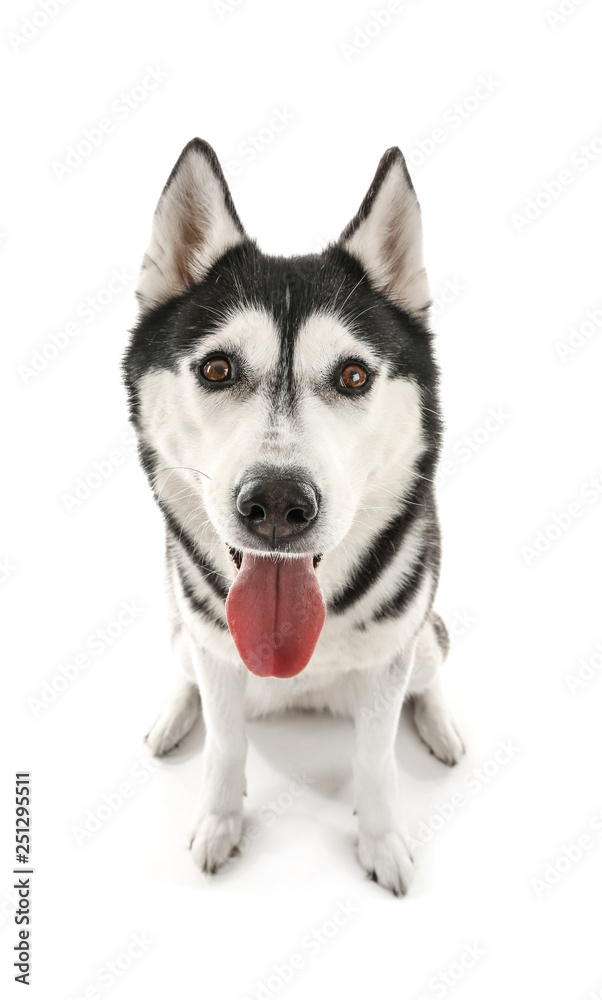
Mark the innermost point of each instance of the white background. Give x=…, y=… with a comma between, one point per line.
x=526, y=620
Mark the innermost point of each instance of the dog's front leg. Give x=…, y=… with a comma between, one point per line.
x=218, y=819
x=382, y=849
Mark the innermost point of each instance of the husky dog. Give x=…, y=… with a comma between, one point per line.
x=288, y=422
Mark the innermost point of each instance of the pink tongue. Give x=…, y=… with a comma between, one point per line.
x=275, y=613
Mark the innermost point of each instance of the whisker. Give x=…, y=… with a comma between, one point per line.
x=178, y=468
x=352, y=290
x=182, y=494
x=357, y=316
x=412, y=472
x=399, y=496
x=334, y=298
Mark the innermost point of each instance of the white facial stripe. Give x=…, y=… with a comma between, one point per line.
x=251, y=334
x=324, y=340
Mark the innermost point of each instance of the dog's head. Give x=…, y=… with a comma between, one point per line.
x=282, y=403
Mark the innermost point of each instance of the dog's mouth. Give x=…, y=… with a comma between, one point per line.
x=275, y=611
x=236, y=556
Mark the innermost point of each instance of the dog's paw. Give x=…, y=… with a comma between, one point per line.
x=214, y=839
x=440, y=733
x=387, y=860
x=174, y=722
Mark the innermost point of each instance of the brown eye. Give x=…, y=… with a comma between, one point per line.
x=216, y=370
x=353, y=377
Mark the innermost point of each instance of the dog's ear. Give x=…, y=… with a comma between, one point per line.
x=195, y=223
x=386, y=236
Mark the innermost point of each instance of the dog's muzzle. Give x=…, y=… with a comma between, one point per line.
x=277, y=509
x=275, y=607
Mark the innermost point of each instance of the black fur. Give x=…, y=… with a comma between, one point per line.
x=392, y=155
x=197, y=603
x=418, y=506
x=208, y=572
x=290, y=290
x=203, y=149
x=395, y=606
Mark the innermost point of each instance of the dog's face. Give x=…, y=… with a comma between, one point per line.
x=285, y=383
x=283, y=399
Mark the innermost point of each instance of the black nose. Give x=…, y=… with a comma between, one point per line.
x=277, y=509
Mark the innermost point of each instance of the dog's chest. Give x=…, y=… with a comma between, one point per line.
x=343, y=648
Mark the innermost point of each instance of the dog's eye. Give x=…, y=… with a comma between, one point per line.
x=353, y=376
x=216, y=370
